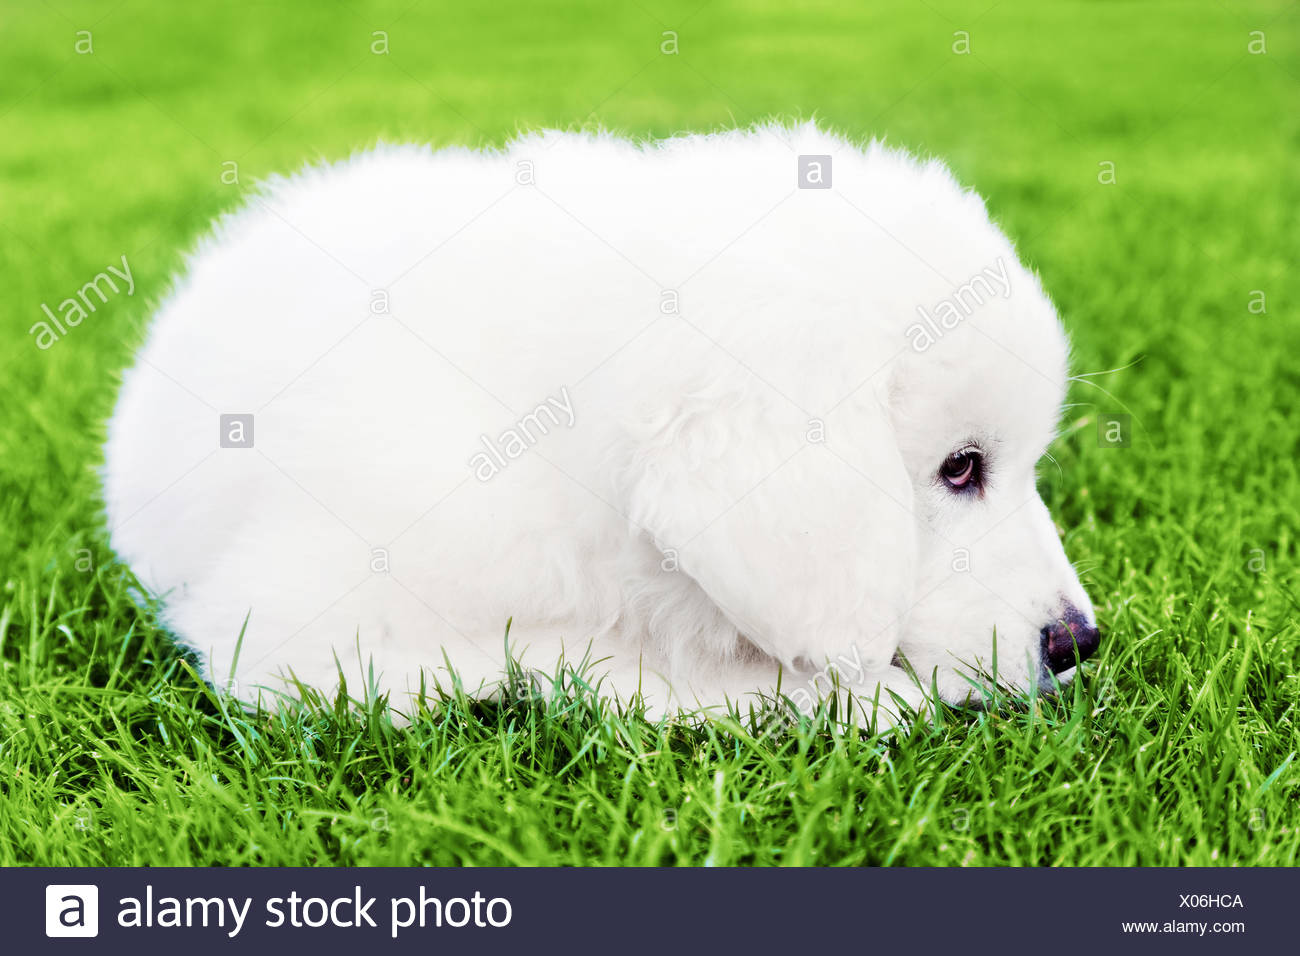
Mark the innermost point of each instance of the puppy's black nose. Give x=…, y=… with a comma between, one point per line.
x=1071, y=639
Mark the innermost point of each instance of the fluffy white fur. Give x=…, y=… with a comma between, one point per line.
x=749, y=487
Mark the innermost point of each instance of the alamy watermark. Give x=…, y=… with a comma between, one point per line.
x=947, y=313
x=78, y=307
x=521, y=436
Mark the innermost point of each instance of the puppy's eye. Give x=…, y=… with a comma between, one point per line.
x=961, y=469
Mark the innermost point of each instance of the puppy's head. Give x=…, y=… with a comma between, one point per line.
x=974, y=402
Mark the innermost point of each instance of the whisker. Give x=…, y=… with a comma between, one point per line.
x=1107, y=392
x=1052, y=458
x=1085, y=375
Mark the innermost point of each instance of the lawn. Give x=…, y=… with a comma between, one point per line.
x=1142, y=157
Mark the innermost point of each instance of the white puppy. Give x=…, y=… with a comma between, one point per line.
x=709, y=413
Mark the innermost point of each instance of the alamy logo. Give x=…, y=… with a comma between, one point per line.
x=71, y=910
x=237, y=431
x=814, y=172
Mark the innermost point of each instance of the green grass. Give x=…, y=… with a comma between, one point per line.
x=1179, y=745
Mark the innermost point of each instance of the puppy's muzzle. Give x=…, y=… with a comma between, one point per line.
x=1070, y=640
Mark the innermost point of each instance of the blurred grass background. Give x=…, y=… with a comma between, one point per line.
x=1180, y=746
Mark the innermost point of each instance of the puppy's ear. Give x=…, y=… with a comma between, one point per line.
x=802, y=532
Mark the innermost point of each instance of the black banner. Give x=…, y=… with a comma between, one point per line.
x=659, y=911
